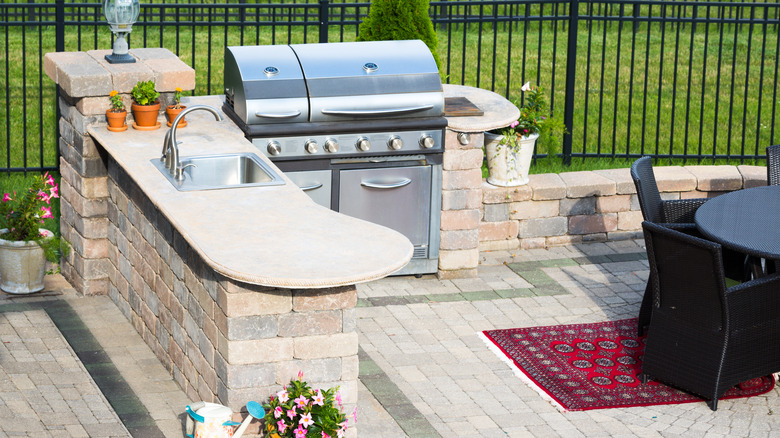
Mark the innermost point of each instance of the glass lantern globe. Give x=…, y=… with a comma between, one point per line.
x=121, y=14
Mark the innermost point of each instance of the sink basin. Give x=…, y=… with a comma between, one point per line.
x=211, y=172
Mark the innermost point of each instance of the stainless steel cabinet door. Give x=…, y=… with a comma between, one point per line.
x=316, y=184
x=396, y=197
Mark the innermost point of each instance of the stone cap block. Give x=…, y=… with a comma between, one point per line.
x=52, y=60
x=586, y=183
x=752, y=176
x=716, y=178
x=674, y=179
x=624, y=185
x=84, y=78
x=123, y=76
x=547, y=186
x=171, y=73
x=495, y=195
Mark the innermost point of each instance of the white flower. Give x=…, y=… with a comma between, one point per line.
x=526, y=86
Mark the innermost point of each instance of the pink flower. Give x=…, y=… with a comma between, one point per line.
x=318, y=399
x=281, y=425
x=46, y=213
x=301, y=401
x=526, y=86
x=300, y=375
x=338, y=398
x=306, y=420
x=291, y=413
x=325, y=435
x=49, y=179
x=283, y=396
x=278, y=412
x=44, y=197
x=55, y=192
x=514, y=124
x=6, y=198
x=354, y=414
x=300, y=432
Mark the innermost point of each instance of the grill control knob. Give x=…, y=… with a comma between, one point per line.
x=427, y=142
x=395, y=142
x=274, y=148
x=331, y=145
x=363, y=144
x=311, y=146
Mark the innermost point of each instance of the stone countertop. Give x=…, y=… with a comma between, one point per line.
x=272, y=236
x=498, y=112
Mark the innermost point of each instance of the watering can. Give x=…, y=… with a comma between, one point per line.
x=212, y=420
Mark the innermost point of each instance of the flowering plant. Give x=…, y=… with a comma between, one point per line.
x=22, y=214
x=535, y=118
x=297, y=411
x=177, y=98
x=144, y=93
x=116, y=101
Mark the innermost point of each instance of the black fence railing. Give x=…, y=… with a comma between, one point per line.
x=691, y=80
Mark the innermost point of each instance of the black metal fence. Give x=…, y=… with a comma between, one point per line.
x=676, y=79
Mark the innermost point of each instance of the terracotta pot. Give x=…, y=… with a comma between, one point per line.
x=116, y=119
x=172, y=112
x=22, y=265
x=146, y=115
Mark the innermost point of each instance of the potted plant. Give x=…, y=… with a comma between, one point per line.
x=117, y=113
x=299, y=411
x=173, y=110
x=509, y=152
x=145, y=106
x=24, y=247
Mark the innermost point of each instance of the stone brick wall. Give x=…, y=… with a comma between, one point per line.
x=572, y=207
x=222, y=340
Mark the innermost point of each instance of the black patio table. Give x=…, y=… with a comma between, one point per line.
x=747, y=221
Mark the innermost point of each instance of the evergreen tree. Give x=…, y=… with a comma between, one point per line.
x=400, y=20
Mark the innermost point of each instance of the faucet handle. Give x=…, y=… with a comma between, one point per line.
x=179, y=174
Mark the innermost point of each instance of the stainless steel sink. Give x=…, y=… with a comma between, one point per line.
x=210, y=172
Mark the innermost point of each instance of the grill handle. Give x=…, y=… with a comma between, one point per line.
x=377, y=112
x=394, y=185
x=279, y=115
x=311, y=187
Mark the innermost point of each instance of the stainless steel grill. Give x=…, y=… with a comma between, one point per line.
x=358, y=126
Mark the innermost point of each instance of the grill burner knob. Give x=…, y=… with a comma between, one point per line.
x=427, y=142
x=395, y=143
x=363, y=144
x=274, y=148
x=311, y=146
x=331, y=145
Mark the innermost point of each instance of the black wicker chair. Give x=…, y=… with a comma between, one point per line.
x=773, y=165
x=704, y=338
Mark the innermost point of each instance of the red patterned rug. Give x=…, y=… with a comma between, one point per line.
x=593, y=366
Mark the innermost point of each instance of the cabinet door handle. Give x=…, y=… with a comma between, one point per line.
x=279, y=115
x=394, y=185
x=375, y=112
x=311, y=187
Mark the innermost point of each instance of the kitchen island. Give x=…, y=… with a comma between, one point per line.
x=235, y=290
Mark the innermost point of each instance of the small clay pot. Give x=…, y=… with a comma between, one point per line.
x=172, y=112
x=116, y=120
x=146, y=115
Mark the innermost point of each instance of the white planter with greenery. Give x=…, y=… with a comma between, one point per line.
x=22, y=264
x=509, y=162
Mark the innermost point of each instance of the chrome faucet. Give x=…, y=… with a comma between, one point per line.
x=170, y=152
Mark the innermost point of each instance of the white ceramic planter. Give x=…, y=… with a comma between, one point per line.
x=508, y=168
x=22, y=265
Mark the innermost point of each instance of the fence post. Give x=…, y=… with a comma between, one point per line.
x=59, y=32
x=324, y=16
x=571, y=70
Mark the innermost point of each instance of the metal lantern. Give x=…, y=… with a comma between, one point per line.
x=121, y=14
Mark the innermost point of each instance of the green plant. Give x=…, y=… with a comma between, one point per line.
x=535, y=118
x=298, y=411
x=144, y=93
x=22, y=214
x=400, y=20
x=116, y=101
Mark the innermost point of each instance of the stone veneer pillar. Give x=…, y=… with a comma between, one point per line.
x=461, y=202
x=222, y=340
x=84, y=81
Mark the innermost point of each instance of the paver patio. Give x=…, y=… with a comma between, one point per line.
x=424, y=370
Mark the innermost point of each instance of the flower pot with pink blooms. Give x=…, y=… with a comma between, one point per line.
x=24, y=246
x=300, y=411
x=509, y=151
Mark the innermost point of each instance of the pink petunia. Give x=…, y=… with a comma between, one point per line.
x=49, y=179
x=281, y=425
x=300, y=375
x=278, y=412
x=291, y=413
x=354, y=414
x=44, y=197
x=300, y=432
x=7, y=198
x=338, y=398
x=283, y=396
x=526, y=87
x=55, y=191
x=306, y=420
x=318, y=399
x=301, y=401
x=325, y=435
x=46, y=213
x=514, y=124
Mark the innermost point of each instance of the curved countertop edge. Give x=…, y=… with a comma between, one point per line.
x=133, y=151
x=498, y=111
